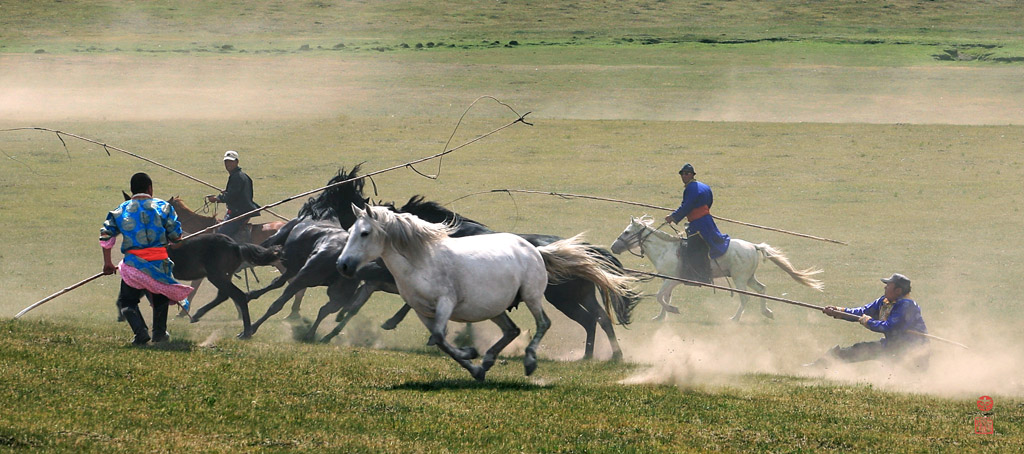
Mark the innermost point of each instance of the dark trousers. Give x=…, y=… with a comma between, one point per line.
x=232, y=228
x=915, y=355
x=128, y=301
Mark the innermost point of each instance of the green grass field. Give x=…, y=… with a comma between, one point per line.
x=842, y=121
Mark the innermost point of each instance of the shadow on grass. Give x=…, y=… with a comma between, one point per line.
x=443, y=385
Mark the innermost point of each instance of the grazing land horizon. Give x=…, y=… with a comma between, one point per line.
x=895, y=126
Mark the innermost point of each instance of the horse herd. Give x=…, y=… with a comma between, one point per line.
x=445, y=267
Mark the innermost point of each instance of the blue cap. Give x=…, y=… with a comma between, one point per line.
x=687, y=168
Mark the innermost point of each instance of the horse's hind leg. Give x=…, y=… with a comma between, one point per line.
x=760, y=288
x=665, y=299
x=509, y=332
x=357, y=303
x=296, y=304
x=543, y=323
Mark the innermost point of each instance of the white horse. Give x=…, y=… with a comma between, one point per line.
x=470, y=279
x=739, y=262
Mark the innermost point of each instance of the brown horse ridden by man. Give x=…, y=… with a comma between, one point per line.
x=249, y=233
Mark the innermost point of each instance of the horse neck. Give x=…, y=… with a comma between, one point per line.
x=192, y=221
x=661, y=249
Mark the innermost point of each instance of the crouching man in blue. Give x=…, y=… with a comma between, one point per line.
x=895, y=316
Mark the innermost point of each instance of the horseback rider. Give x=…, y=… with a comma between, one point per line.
x=237, y=195
x=148, y=226
x=703, y=240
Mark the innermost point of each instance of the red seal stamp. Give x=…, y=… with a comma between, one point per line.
x=984, y=426
x=985, y=404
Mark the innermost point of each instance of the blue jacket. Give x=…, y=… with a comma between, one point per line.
x=695, y=195
x=905, y=315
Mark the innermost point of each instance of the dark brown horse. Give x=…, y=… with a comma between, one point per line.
x=249, y=233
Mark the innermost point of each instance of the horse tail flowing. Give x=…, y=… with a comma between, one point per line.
x=571, y=257
x=257, y=255
x=805, y=277
x=622, y=304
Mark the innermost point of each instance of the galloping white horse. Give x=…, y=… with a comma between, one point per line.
x=470, y=279
x=739, y=262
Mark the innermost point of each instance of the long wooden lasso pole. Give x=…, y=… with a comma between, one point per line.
x=627, y=202
x=843, y=315
x=521, y=118
x=108, y=147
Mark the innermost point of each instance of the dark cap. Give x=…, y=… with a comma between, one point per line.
x=902, y=282
x=687, y=168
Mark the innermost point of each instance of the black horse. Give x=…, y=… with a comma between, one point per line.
x=217, y=257
x=312, y=243
x=576, y=298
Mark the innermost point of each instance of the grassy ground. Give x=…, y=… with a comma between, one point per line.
x=843, y=124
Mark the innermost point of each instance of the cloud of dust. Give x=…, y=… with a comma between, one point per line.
x=990, y=367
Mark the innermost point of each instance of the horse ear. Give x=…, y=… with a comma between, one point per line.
x=359, y=212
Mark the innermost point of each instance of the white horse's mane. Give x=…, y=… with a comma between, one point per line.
x=647, y=221
x=406, y=232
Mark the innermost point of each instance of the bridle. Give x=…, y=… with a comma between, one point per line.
x=642, y=235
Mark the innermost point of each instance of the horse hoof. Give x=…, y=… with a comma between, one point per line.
x=469, y=353
x=616, y=357
x=478, y=373
x=735, y=318
x=658, y=317
x=769, y=314
x=244, y=335
x=388, y=325
x=672, y=309
x=293, y=316
x=530, y=365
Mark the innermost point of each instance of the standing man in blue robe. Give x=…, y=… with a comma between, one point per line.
x=703, y=240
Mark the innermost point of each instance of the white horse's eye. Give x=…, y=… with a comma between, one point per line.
x=364, y=233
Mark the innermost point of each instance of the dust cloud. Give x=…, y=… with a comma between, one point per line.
x=991, y=365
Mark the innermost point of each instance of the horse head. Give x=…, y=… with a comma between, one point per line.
x=365, y=243
x=630, y=238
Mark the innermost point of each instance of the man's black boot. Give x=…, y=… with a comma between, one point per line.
x=138, y=325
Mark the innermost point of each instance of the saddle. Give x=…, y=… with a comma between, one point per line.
x=694, y=260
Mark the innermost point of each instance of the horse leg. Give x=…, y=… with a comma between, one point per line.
x=576, y=300
x=277, y=283
x=226, y=289
x=543, y=323
x=220, y=298
x=360, y=298
x=437, y=325
x=509, y=332
x=665, y=299
x=393, y=322
x=296, y=304
x=760, y=288
x=277, y=305
x=338, y=293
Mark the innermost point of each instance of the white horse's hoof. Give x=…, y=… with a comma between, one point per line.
x=768, y=313
x=658, y=317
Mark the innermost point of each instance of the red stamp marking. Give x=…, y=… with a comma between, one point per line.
x=985, y=403
x=984, y=426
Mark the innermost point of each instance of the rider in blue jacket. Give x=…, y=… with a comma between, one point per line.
x=894, y=315
x=703, y=240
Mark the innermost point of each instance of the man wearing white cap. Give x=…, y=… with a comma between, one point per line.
x=237, y=195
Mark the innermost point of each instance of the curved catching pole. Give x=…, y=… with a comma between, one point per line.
x=48, y=298
x=626, y=202
x=107, y=148
x=521, y=118
x=849, y=317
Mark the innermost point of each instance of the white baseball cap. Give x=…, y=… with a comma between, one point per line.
x=230, y=155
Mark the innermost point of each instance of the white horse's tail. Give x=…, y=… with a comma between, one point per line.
x=571, y=258
x=805, y=277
